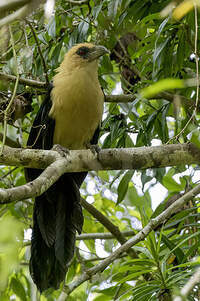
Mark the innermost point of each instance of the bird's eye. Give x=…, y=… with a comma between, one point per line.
x=83, y=51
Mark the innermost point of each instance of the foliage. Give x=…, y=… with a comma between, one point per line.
x=161, y=56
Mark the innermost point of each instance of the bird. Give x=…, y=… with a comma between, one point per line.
x=70, y=116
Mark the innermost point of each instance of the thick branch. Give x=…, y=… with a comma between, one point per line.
x=106, y=159
x=100, y=267
x=34, y=188
x=84, y=160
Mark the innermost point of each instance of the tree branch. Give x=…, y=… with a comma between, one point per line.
x=6, y=111
x=40, y=51
x=23, y=8
x=10, y=142
x=108, y=225
x=106, y=159
x=84, y=160
x=79, y=2
x=6, y=5
x=34, y=188
x=122, y=98
x=92, y=236
x=21, y=12
x=153, y=223
x=25, y=81
x=105, y=235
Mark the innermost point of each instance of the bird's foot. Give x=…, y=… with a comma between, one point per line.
x=63, y=151
x=95, y=149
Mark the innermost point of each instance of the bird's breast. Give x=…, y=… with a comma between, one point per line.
x=77, y=107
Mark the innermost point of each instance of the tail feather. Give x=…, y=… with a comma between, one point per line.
x=57, y=216
x=65, y=233
x=42, y=259
x=45, y=215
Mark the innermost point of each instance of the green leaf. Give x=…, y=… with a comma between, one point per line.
x=11, y=234
x=192, y=251
x=177, y=251
x=132, y=276
x=145, y=178
x=161, y=27
x=51, y=27
x=26, y=59
x=18, y=289
x=103, y=175
x=102, y=298
x=4, y=296
x=112, y=8
x=108, y=291
x=123, y=185
x=157, y=52
x=162, y=85
x=96, y=10
x=170, y=183
x=159, y=209
x=144, y=289
x=133, y=197
x=83, y=30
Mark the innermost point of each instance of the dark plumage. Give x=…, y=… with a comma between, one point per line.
x=69, y=116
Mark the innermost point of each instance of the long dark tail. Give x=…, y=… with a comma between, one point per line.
x=56, y=218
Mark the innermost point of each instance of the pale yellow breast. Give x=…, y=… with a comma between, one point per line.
x=77, y=108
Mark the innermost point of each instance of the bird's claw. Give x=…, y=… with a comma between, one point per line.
x=95, y=149
x=63, y=151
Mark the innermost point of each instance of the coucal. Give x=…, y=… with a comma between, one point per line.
x=69, y=116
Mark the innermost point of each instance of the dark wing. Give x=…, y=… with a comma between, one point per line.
x=95, y=137
x=41, y=134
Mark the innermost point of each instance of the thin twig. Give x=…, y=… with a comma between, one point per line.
x=40, y=51
x=6, y=112
x=122, y=98
x=88, y=236
x=8, y=173
x=25, y=81
x=80, y=2
x=196, y=57
x=102, y=235
x=108, y=224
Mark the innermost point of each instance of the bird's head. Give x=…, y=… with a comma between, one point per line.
x=82, y=54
